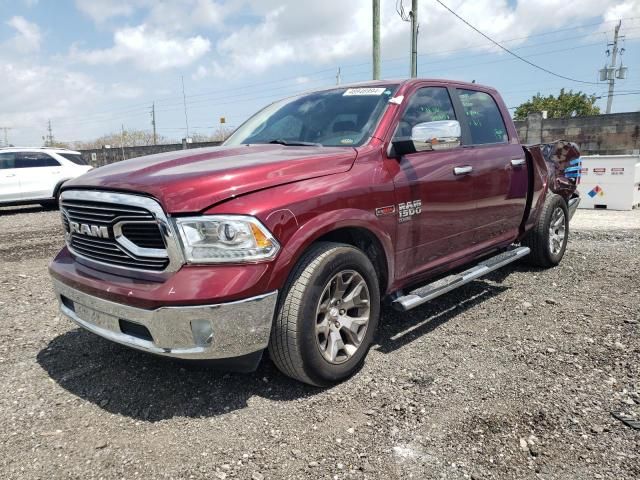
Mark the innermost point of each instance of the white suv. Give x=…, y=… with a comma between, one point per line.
x=35, y=175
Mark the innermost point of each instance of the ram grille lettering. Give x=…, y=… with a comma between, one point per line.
x=90, y=230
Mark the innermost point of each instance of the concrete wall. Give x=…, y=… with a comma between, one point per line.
x=613, y=134
x=105, y=156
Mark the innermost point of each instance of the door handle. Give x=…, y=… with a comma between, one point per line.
x=462, y=170
x=517, y=162
x=10, y=175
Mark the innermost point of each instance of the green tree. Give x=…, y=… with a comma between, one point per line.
x=567, y=104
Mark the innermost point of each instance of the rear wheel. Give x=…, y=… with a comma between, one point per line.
x=328, y=315
x=548, y=239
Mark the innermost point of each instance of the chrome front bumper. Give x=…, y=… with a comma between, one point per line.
x=203, y=332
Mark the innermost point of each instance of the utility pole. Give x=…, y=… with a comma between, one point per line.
x=338, y=77
x=153, y=123
x=412, y=17
x=49, y=141
x=376, y=39
x=122, y=141
x=611, y=73
x=184, y=102
x=414, y=38
x=6, y=136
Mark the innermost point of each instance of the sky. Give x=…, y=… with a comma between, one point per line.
x=92, y=67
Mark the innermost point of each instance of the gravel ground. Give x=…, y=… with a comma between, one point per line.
x=511, y=377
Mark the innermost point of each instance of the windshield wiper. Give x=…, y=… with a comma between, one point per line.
x=295, y=143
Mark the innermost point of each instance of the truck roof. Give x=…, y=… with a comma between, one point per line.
x=39, y=149
x=401, y=83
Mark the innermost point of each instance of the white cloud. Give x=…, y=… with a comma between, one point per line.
x=146, y=48
x=34, y=94
x=102, y=10
x=315, y=32
x=627, y=10
x=200, y=73
x=172, y=15
x=186, y=15
x=124, y=90
x=331, y=31
x=27, y=38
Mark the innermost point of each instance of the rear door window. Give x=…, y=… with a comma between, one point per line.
x=7, y=160
x=75, y=158
x=35, y=159
x=483, y=117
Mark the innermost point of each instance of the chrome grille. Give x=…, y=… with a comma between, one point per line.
x=133, y=236
x=145, y=235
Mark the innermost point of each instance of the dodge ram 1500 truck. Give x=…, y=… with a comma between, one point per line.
x=320, y=206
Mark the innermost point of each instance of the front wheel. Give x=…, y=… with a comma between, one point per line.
x=328, y=315
x=548, y=238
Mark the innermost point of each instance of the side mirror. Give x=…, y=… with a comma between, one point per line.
x=438, y=135
x=427, y=136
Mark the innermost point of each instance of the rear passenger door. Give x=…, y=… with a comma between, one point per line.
x=38, y=174
x=9, y=183
x=499, y=175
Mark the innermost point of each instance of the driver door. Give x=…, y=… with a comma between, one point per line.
x=435, y=205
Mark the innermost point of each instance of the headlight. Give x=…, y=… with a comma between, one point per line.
x=225, y=239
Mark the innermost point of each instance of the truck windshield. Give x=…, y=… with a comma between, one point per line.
x=331, y=118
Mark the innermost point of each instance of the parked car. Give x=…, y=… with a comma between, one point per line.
x=315, y=210
x=35, y=175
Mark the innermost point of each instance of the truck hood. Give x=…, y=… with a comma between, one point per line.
x=187, y=181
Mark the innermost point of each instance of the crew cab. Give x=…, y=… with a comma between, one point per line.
x=35, y=175
x=320, y=207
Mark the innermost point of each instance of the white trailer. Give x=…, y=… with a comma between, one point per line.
x=610, y=181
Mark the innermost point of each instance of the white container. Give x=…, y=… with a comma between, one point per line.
x=610, y=181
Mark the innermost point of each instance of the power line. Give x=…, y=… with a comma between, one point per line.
x=600, y=97
x=466, y=65
x=222, y=94
x=134, y=108
x=513, y=53
x=142, y=107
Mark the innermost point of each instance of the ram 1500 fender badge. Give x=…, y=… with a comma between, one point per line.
x=90, y=230
x=408, y=209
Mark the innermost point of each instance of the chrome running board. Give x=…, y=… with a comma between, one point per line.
x=440, y=287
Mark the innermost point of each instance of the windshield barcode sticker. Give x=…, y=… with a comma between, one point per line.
x=364, y=91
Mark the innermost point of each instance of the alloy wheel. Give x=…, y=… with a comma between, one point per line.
x=557, y=231
x=342, y=316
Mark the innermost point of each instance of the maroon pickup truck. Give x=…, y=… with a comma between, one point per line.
x=315, y=210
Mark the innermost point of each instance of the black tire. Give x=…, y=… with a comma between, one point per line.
x=294, y=345
x=50, y=204
x=538, y=239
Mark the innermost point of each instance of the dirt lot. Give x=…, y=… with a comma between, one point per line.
x=512, y=377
